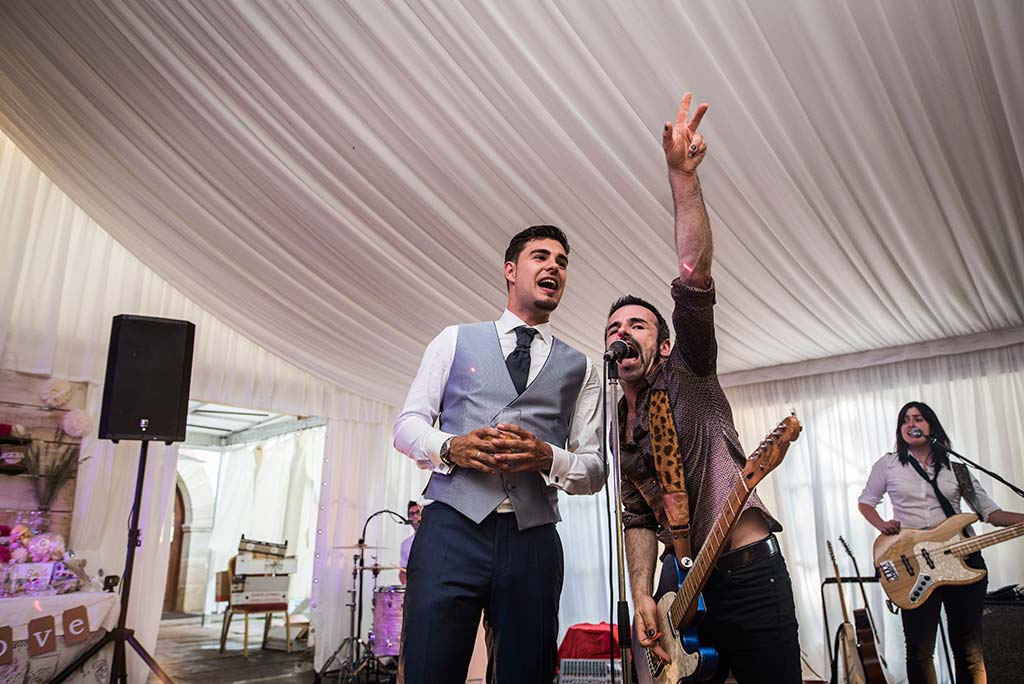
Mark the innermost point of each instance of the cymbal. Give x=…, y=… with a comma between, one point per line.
x=377, y=568
x=358, y=546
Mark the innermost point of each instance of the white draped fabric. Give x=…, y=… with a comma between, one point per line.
x=849, y=421
x=63, y=279
x=321, y=187
x=269, y=491
x=336, y=180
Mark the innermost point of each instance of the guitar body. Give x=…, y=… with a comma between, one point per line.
x=853, y=670
x=865, y=639
x=914, y=563
x=691, y=662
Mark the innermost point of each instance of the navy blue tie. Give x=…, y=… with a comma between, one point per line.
x=518, y=361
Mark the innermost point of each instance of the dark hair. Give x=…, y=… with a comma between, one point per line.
x=631, y=300
x=411, y=504
x=935, y=430
x=519, y=240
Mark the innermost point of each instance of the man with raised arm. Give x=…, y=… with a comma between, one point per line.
x=751, y=618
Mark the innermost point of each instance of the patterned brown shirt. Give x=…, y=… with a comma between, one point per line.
x=710, y=449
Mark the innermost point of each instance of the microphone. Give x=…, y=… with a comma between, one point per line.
x=916, y=433
x=619, y=350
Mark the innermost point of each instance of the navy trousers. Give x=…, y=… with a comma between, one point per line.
x=458, y=569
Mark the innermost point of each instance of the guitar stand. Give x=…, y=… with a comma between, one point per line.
x=824, y=612
x=850, y=580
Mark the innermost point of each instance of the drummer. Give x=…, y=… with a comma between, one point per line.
x=414, y=511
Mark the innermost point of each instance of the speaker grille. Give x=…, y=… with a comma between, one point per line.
x=149, y=370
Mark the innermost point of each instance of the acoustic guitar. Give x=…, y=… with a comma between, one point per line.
x=846, y=637
x=867, y=638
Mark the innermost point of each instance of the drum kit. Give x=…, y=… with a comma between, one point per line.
x=376, y=659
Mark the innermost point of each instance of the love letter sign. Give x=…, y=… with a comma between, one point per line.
x=42, y=636
x=76, y=625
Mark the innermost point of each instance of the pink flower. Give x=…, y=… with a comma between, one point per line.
x=19, y=555
x=5, y=531
x=5, y=555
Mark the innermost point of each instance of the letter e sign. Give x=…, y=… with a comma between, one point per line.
x=42, y=637
x=76, y=625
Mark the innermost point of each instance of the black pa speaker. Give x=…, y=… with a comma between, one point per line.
x=149, y=369
x=1003, y=624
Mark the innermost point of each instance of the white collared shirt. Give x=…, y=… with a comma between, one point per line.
x=914, y=503
x=577, y=466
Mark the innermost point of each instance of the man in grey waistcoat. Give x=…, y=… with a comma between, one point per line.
x=517, y=415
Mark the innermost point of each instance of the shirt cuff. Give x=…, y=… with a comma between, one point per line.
x=432, y=446
x=559, y=475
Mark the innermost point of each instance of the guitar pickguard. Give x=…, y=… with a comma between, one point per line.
x=691, y=662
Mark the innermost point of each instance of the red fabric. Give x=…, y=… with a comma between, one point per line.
x=586, y=640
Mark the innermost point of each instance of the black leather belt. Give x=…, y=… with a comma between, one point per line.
x=745, y=555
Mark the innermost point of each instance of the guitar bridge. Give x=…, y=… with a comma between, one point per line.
x=889, y=571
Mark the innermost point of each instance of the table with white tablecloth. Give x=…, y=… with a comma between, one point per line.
x=18, y=611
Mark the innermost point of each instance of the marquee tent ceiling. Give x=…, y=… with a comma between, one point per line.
x=337, y=181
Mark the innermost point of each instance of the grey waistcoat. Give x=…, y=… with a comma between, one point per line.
x=479, y=388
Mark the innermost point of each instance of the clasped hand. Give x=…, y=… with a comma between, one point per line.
x=505, y=448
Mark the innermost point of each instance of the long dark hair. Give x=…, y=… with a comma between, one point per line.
x=935, y=430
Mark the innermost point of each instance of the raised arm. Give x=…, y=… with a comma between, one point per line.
x=684, y=151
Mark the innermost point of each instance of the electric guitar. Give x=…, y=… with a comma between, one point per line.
x=914, y=563
x=870, y=658
x=846, y=637
x=680, y=612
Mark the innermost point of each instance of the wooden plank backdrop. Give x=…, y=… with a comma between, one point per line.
x=20, y=405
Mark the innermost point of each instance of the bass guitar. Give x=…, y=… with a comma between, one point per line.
x=870, y=658
x=680, y=612
x=846, y=637
x=914, y=563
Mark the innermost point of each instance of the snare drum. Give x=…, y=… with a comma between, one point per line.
x=388, y=603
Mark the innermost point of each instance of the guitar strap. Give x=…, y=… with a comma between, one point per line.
x=963, y=478
x=669, y=468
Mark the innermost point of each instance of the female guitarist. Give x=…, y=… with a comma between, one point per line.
x=924, y=490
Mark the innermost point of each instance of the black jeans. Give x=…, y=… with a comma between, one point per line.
x=751, y=621
x=964, y=607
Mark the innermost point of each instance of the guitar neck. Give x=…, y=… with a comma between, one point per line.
x=972, y=544
x=686, y=600
x=839, y=584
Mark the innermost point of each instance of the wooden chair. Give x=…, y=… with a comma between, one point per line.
x=223, y=593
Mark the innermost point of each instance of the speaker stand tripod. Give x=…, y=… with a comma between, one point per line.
x=121, y=635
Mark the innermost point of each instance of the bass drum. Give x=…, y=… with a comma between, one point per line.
x=388, y=604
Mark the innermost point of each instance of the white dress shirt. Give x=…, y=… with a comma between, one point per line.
x=914, y=503
x=577, y=466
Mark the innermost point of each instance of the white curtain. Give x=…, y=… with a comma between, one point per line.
x=849, y=421
x=62, y=281
x=269, y=491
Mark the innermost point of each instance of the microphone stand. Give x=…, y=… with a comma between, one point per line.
x=1014, y=488
x=624, y=623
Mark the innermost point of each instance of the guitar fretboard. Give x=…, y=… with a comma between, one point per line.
x=686, y=599
x=972, y=544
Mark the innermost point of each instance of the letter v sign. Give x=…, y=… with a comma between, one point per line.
x=41, y=636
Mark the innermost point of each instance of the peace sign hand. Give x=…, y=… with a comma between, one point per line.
x=684, y=146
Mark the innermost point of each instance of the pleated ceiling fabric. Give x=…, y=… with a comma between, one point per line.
x=337, y=181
